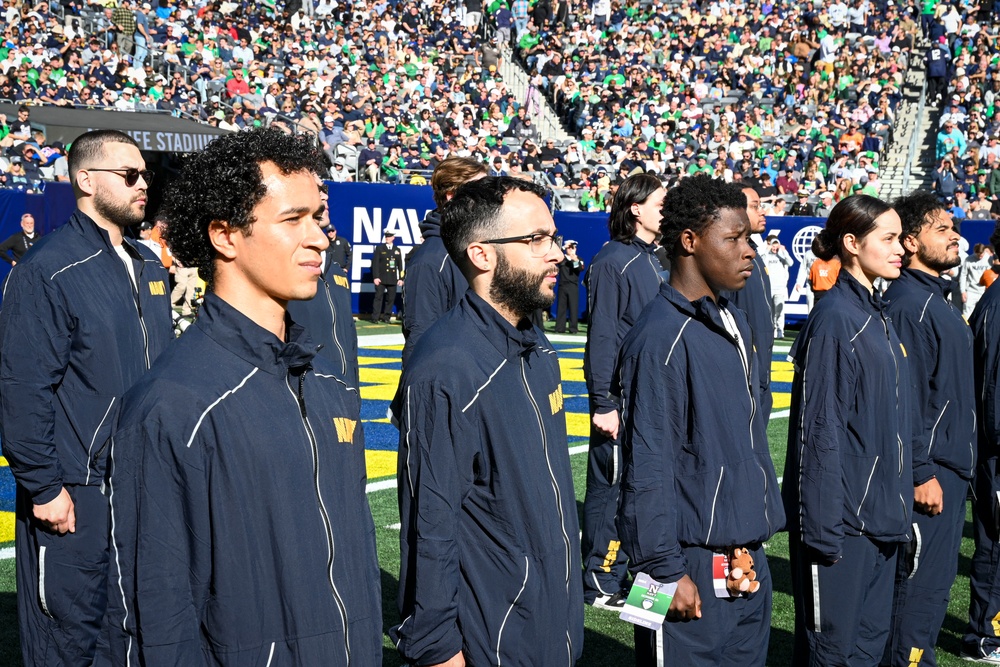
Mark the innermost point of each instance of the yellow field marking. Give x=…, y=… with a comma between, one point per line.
x=6, y=526
x=396, y=348
x=379, y=463
x=577, y=425
x=371, y=361
x=781, y=401
x=3, y=461
x=572, y=370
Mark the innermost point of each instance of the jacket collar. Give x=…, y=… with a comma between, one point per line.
x=851, y=288
x=509, y=341
x=936, y=284
x=704, y=309
x=431, y=226
x=251, y=342
x=642, y=245
x=85, y=226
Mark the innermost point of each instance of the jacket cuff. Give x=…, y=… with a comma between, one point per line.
x=46, y=494
x=923, y=472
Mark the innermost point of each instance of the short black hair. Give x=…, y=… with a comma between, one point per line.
x=473, y=214
x=224, y=183
x=695, y=203
x=914, y=212
x=88, y=148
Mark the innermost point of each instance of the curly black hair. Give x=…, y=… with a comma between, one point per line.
x=914, y=212
x=473, y=214
x=694, y=203
x=224, y=183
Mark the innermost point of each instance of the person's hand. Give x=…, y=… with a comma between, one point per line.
x=457, y=660
x=58, y=515
x=607, y=424
x=965, y=297
x=928, y=498
x=378, y=282
x=399, y=283
x=686, y=605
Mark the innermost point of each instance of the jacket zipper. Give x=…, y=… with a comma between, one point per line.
x=138, y=310
x=555, y=486
x=899, y=439
x=336, y=340
x=753, y=412
x=327, y=526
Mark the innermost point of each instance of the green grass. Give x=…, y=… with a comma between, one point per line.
x=608, y=640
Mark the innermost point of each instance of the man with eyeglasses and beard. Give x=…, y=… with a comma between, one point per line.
x=94, y=306
x=485, y=487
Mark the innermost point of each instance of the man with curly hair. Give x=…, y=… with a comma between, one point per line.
x=241, y=532
x=698, y=479
x=84, y=315
x=938, y=346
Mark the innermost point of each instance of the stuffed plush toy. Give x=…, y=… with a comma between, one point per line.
x=742, y=579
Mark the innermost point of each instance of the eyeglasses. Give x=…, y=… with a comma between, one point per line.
x=539, y=244
x=131, y=174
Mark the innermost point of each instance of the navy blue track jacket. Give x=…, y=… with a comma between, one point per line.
x=490, y=550
x=985, y=324
x=755, y=301
x=72, y=341
x=848, y=467
x=241, y=530
x=434, y=284
x=938, y=346
x=623, y=278
x=698, y=471
x=329, y=320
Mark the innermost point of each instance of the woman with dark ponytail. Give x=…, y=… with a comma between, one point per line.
x=848, y=486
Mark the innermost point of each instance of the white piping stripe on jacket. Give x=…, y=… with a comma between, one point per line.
x=676, y=340
x=74, y=264
x=916, y=553
x=93, y=439
x=488, y=380
x=862, y=328
x=114, y=545
x=512, y=605
x=817, y=616
x=216, y=402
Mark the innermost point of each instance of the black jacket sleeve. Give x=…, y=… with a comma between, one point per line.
x=607, y=305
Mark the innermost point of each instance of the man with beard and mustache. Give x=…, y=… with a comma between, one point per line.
x=84, y=315
x=14, y=248
x=489, y=538
x=938, y=346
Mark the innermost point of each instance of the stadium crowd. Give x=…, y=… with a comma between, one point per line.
x=800, y=100
x=963, y=82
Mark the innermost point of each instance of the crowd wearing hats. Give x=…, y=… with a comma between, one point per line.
x=963, y=53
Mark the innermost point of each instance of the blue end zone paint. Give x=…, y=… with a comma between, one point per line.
x=7, y=490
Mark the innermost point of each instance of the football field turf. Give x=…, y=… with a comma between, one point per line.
x=608, y=640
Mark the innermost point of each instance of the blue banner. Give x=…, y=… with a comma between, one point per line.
x=362, y=212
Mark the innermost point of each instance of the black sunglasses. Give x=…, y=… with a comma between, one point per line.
x=131, y=174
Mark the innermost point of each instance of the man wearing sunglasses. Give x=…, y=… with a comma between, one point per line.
x=84, y=315
x=486, y=496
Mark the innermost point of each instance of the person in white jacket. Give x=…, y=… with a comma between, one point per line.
x=972, y=271
x=778, y=261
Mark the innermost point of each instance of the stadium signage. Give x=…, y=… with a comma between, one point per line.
x=169, y=142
